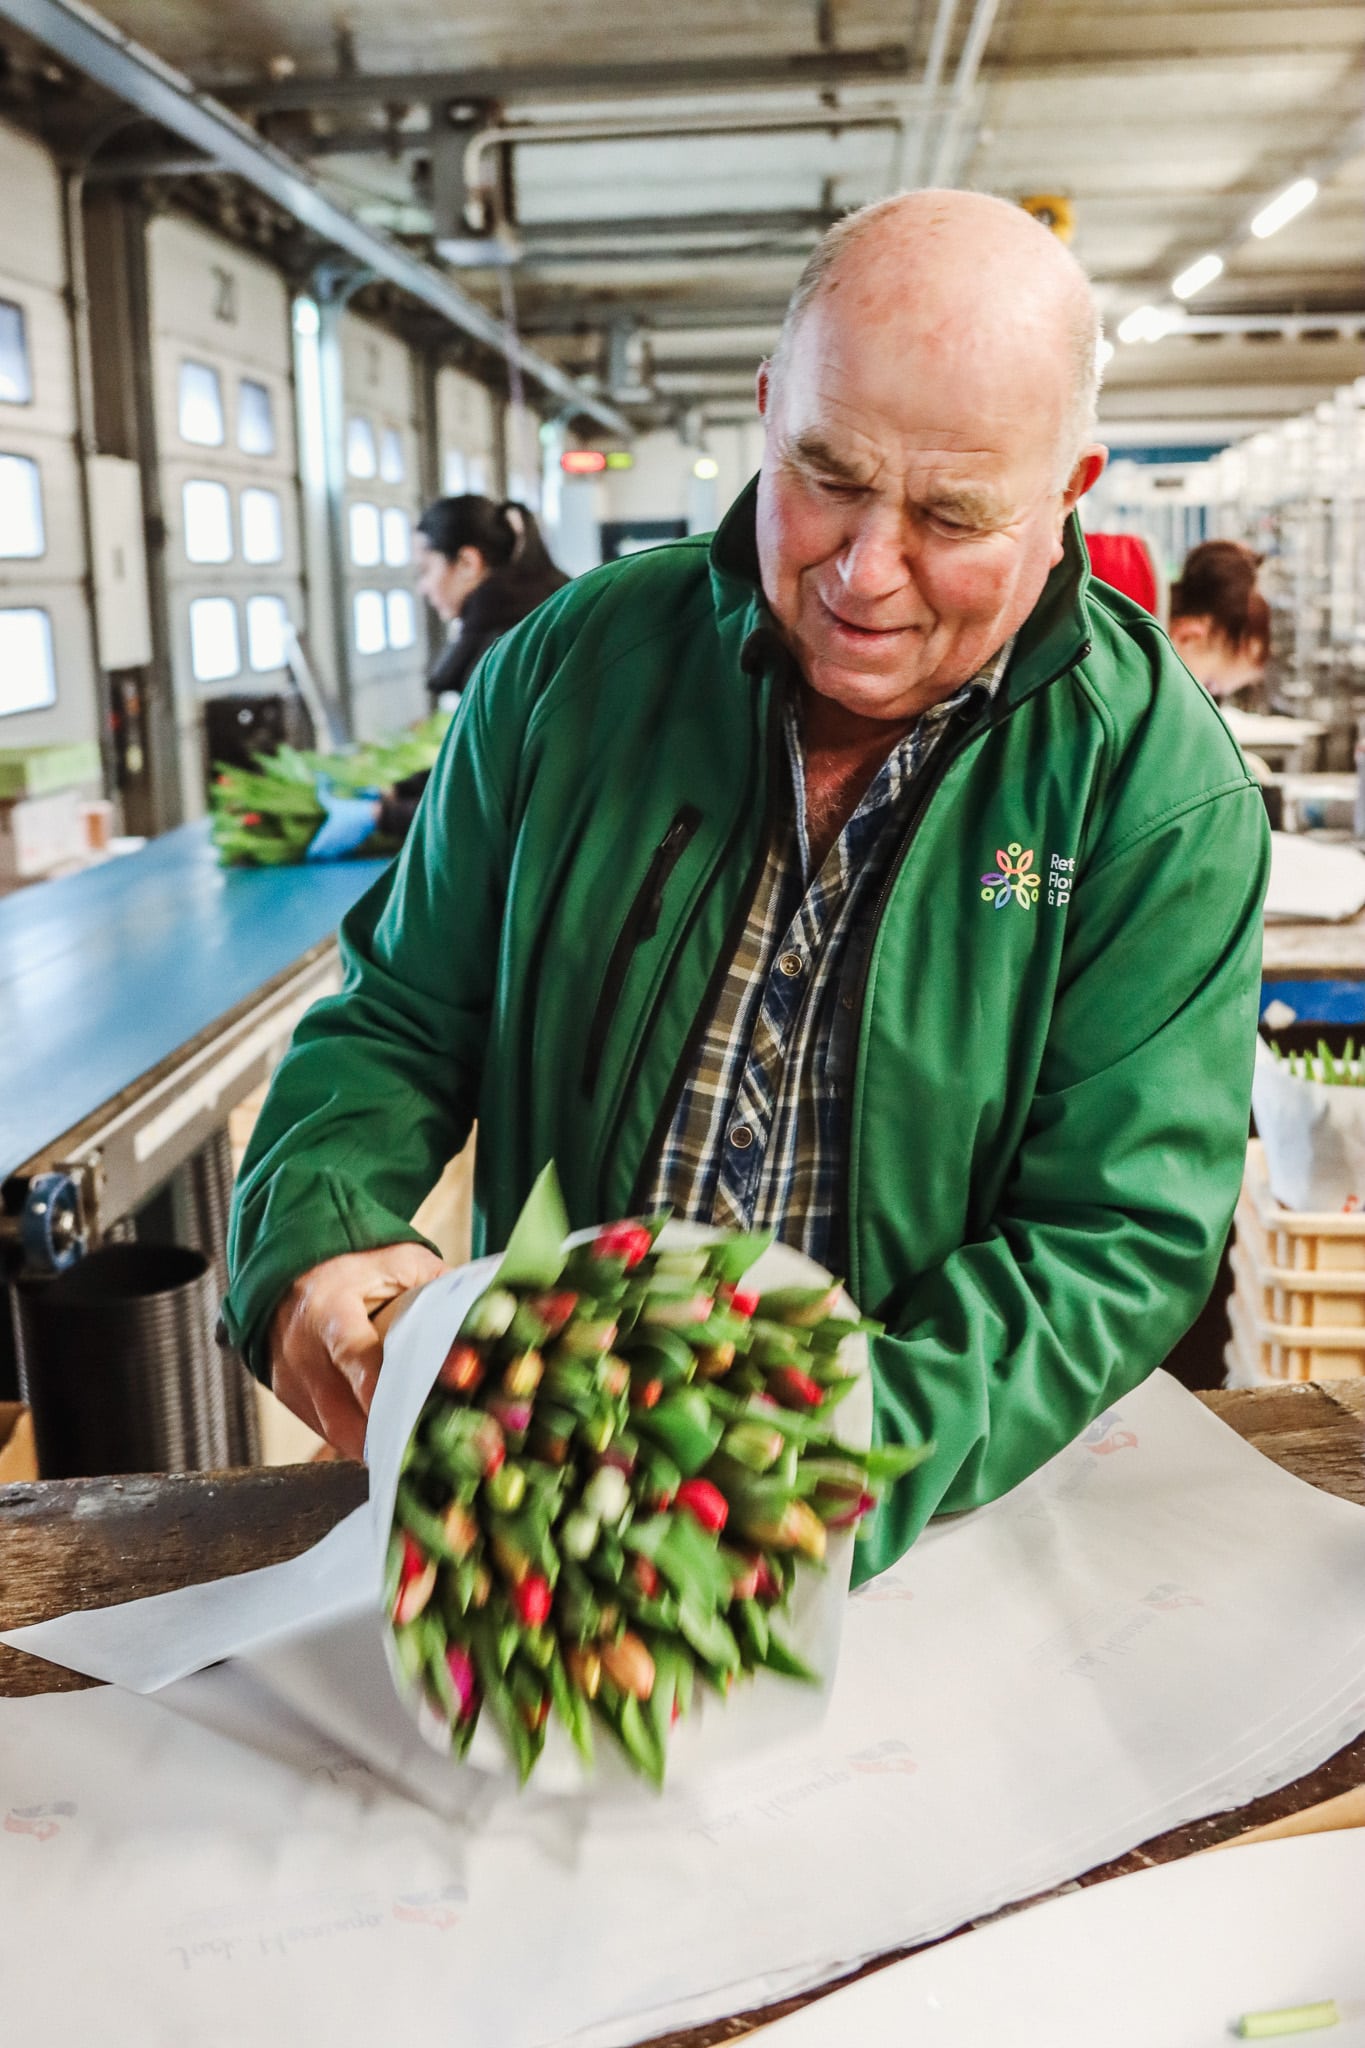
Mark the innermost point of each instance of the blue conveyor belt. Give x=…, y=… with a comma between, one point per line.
x=105, y=974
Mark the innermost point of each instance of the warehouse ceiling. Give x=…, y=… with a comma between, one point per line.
x=639, y=186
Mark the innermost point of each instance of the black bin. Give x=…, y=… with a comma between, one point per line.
x=117, y=1361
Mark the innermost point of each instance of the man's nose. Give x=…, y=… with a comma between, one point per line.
x=874, y=562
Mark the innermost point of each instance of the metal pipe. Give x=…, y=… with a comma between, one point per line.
x=132, y=74
x=964, y=78
x=932, y=80
x=503, y=134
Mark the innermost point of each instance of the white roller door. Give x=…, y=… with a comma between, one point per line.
x=48, y=683
x=380, y=506
x=226, y=454
x=523, y=456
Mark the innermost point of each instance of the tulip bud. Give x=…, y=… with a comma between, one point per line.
x=753, y=1444
x=489, y=1445
x=798, y=1527
x=585, y=1670
x=523, y=1375
x=705, y=1502
x=553, y=1310
x=506, y=1489
x=627, y=1663
x=491, y=1315
x=715, y=1360
x=862, y=1504
x=621, y=1456
x=614, y=1376
x=628, y=1242
x=460, y=1528
x=647, y=1393
x=744, y=1301
x=745, y=1584
x=512, y=1560
x=535, y=1713
x=462, y=1679
x=645, y=1576
x=514, y=1416
x=588, y=1337
x=413, y=1594
x=578, y=1535
x=482, y=1586
x=597, y=1431
x=462, y=1370
x=531, y=1600
x=794, y=1388
x=607, y=1494
x=671, y=1311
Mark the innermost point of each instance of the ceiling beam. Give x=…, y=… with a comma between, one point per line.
x=798, y=71
x=140, y=80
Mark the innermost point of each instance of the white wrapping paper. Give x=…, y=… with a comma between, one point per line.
x=1314, y=1137
x=1158, y=1624
x=312, y=1629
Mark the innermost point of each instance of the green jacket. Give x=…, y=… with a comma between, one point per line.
x=1049, y=1115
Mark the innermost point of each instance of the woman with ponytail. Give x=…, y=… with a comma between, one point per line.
x=484, y=565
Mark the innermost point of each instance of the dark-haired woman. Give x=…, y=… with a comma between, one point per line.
x=485, y=566
x=1220, y=621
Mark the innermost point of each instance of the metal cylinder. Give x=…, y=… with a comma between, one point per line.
x=118, y=1364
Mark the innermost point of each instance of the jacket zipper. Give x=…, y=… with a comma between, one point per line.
x=641, y=923
x=734, y=931
x=938, y=769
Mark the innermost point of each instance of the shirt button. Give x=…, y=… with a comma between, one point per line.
x=791, y=964
x=741, y=1137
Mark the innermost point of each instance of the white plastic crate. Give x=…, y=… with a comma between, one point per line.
x=1298, y=1302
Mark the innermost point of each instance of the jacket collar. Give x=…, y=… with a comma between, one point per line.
x=1052, y=639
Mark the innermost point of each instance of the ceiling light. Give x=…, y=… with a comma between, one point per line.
x=1199, y=273
x=1104, y=352
x=1149, y=323
x=1290, y=202
x=582, y=461
x=307, y=319
x=706, y=467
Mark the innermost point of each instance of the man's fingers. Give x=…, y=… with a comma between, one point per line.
x=354, y=1347
x=341, y=1419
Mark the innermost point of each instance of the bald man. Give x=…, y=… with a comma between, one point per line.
x=864, y=871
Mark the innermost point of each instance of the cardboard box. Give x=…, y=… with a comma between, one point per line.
x=18, y=1459
x=39, y=833
x=37, y=771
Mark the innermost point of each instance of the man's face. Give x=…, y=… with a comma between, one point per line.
x=908, y=505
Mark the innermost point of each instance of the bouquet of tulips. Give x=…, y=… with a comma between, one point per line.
x=266, y=815
x=625, y=1462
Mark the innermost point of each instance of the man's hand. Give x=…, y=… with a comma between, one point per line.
x=325, y=1352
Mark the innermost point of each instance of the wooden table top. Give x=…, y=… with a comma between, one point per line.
x=69, y=1543
x=1309, y=951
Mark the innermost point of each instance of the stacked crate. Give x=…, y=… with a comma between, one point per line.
x=1298, y=1302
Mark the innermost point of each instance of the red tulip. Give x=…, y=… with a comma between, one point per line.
x=705, y=1502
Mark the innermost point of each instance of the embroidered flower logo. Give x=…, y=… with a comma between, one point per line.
x=1015, y=880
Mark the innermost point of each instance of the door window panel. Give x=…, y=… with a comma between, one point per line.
x=262, y=526
x=16, y=377
x=255, y=418
x=28, y=673
x=365, y=543
x=267, y=632
x=360, y=455
x=392, y=467
x=207, y=509
x=201, y=405
x=215, y=649
x=402, y=618
x=21, y=508
x=397, y=538
x=368, y=616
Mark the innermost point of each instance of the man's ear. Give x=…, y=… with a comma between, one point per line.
x=1084, y=477
x=763, y=386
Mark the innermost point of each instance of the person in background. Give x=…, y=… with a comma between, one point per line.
x=1124, y=562
x=1220, y=622
x=486, y=566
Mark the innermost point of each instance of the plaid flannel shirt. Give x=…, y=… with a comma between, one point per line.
x=759, y=1137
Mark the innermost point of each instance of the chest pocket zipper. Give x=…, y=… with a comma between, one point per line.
x=641, y=923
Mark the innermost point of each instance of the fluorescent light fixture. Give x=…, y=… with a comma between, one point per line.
x=307, y=319
x=1148, y=323
x=705, y=467
x=1201, y=272
x=1284, y=207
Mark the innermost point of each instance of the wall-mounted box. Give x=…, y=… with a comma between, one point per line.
x=123, y=620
